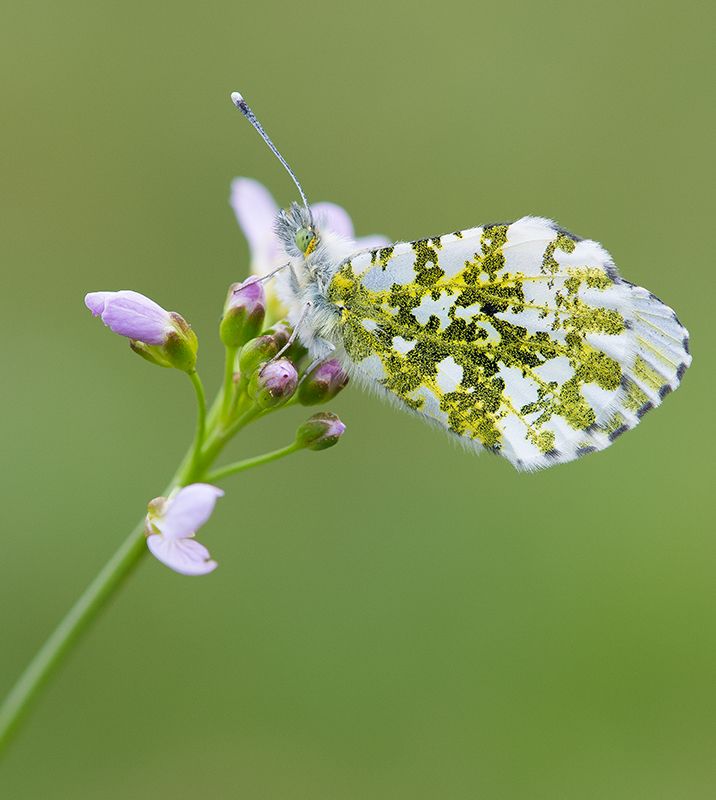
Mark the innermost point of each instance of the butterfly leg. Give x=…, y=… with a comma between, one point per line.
x=269, y=275
x=294, y=332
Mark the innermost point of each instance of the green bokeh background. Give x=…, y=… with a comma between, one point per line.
x=393, y=618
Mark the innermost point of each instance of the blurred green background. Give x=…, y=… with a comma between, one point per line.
x=393, y=618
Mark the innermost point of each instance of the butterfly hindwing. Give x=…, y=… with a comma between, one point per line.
x=520, y=338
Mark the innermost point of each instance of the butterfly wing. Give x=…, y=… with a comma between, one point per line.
x=519, y=338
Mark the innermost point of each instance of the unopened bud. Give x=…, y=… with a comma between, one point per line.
x=273, y=383
x=181, y=345
x=322, y=383
x=162, y=337
x=256, y=352
x=243, y=313
x=320, y=431
x=150, y=352
x=281, y=332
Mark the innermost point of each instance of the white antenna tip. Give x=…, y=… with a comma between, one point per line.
x=236, y=98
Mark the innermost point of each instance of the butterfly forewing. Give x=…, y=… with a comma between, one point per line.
x=520, y=338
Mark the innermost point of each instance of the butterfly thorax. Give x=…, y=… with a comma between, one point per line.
x=315, y=255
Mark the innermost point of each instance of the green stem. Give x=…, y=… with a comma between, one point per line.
x=110, y=577
x=227, y=392
x=240, y=466
x=205, y=448
x=200, y=421
x=95, y=596
x=218, y=439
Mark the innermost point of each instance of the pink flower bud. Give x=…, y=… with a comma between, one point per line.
x=132, y=315
x=273, y=383
x=323, y=383
x=256, y=352
x=244, y=313
x=320, y=431
x=162, y=337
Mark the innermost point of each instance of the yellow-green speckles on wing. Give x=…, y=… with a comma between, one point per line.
x=520, y=338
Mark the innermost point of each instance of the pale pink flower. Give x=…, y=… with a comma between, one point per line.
x=171, y=525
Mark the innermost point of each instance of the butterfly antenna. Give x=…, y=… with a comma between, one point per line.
x=245, y=109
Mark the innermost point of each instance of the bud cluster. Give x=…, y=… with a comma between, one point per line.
x=267, y=368
x=270, y=361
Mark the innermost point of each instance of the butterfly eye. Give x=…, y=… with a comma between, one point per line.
x=304, y=239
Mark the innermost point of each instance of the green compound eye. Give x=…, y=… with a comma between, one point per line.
x=305, y=240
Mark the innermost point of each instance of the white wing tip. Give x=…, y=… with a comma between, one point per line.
x=237, y=98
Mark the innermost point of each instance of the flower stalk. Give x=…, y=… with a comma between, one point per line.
x=259, y=379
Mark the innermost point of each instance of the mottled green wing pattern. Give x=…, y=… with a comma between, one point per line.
x=519, y=338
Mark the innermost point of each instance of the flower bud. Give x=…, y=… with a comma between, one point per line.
x=273, y=383
x=161, y=337
x=181, y=345
x=150, y=353
x=322, y=383
x=320, y=431
x=256, y=352
x=243, y=313
x=281, y=332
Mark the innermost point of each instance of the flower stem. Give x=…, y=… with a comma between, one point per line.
x=240, y=466
x=200, y=420
x=110, y=577
x=228, y=389
x=218, y=438
x=91, y=601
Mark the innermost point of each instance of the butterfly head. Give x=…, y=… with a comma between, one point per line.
x=297, y=231
x=306, y=240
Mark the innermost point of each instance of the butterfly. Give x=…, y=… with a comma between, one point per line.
x=519, y=338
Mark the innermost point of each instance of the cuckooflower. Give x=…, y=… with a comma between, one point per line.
x=162, y=337
x=256, y=211
x=172, y=522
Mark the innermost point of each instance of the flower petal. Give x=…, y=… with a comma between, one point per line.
x=186, y=556
x=96, y=302
x=131, y=314
x=256, y=212
x=188, y=510
x=333, y=218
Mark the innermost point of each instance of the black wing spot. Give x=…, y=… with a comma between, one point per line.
x=680, y=371
x=643, y=410
x=584, y=451
x=665, y=389
x=612, y=272
x=618, y=432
